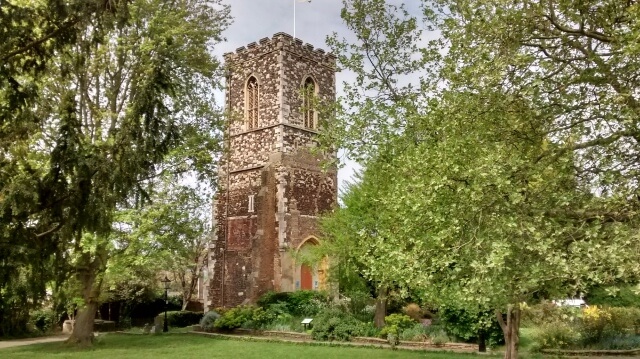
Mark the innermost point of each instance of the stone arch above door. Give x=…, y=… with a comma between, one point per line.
x=310, y=277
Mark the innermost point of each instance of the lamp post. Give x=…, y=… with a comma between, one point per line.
x=166, y=282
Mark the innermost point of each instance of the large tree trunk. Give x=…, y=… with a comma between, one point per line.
x=88, y=272
x=83, y=328
x=381, y=307
x=511, y=330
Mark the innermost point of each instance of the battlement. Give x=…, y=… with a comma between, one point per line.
x=279, y=41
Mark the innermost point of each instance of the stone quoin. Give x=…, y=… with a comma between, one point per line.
x=272, y=187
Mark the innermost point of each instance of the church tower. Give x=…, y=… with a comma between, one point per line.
x=272, y=188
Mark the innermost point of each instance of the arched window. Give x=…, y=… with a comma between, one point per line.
x=308, y=111
x=252, y=103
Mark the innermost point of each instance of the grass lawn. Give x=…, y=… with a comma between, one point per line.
x=118, y=346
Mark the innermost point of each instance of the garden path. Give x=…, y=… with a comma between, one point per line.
x=29, y=341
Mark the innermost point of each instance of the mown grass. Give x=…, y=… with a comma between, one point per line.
x=120, y=346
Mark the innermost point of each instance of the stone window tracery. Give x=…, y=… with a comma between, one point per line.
x=252, y=103
x=308, y=112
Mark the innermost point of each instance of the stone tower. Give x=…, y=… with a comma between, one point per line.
x=272, y=188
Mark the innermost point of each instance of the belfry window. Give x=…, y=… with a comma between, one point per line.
x=308, y=111
x=252, y=103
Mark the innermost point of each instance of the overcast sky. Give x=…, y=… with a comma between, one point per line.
x=315, y=20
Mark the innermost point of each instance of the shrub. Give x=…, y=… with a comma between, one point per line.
x=395, y=324
x=298, y=303
x=545, y=312
x=180, y=319
x=272, y=298
x=334, y=324
x=417, y=332
x=440, y=338
x=556, y=335
x=625, y=320
x=367, y=329
x=401, y=321
x=44, y=320
x=235, y=317
x=620, y=342
x=466, y=325
x=595, y=322
x=414, y=311
x=208, y=321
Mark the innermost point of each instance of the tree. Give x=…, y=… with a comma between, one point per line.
x=110, y=113
x=170, y=234
x=511, y=157
x=346, y=250
x=33, y=33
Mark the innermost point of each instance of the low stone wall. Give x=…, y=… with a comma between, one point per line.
x=592, y=352
x=287, y=335
x=424, y=345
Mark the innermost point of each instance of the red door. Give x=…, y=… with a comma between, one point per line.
x=306, y=278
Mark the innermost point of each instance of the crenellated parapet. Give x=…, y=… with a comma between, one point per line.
x=285, y=42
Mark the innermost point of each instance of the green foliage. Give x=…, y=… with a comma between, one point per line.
x=335, y=324
x=208, y=321
x=623, y=296
x=184, y=318
x=120, y=93
x=546, y=311
x=467, y=326
x=44, y=320
x=598, y=323
x=440, y=338
x=235, y=317
x=556, y=335
x=595, y=324
x=400, y=321
x=298, y=303
x=594, y=327
x=625, y=320
x=620, y=342
x=417, y=332
x=493, y=171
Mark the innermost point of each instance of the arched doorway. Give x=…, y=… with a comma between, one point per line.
x=309, y=277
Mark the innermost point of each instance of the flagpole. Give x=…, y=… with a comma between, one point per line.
x=294, y=15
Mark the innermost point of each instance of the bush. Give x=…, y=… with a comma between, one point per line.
x=414, y=311
x=395, y=324
x=417, y=332
x=44, y=320
x=180, y=319
x=625, y=320
x=208, y=321
x=466, y=326
x=596, y=322
x=620, y=342
x=298, y=303
x=334, y=324
x=440, y=338
x=400, y=321
x=546, y=312
x=235, y=317
x=556, y=335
